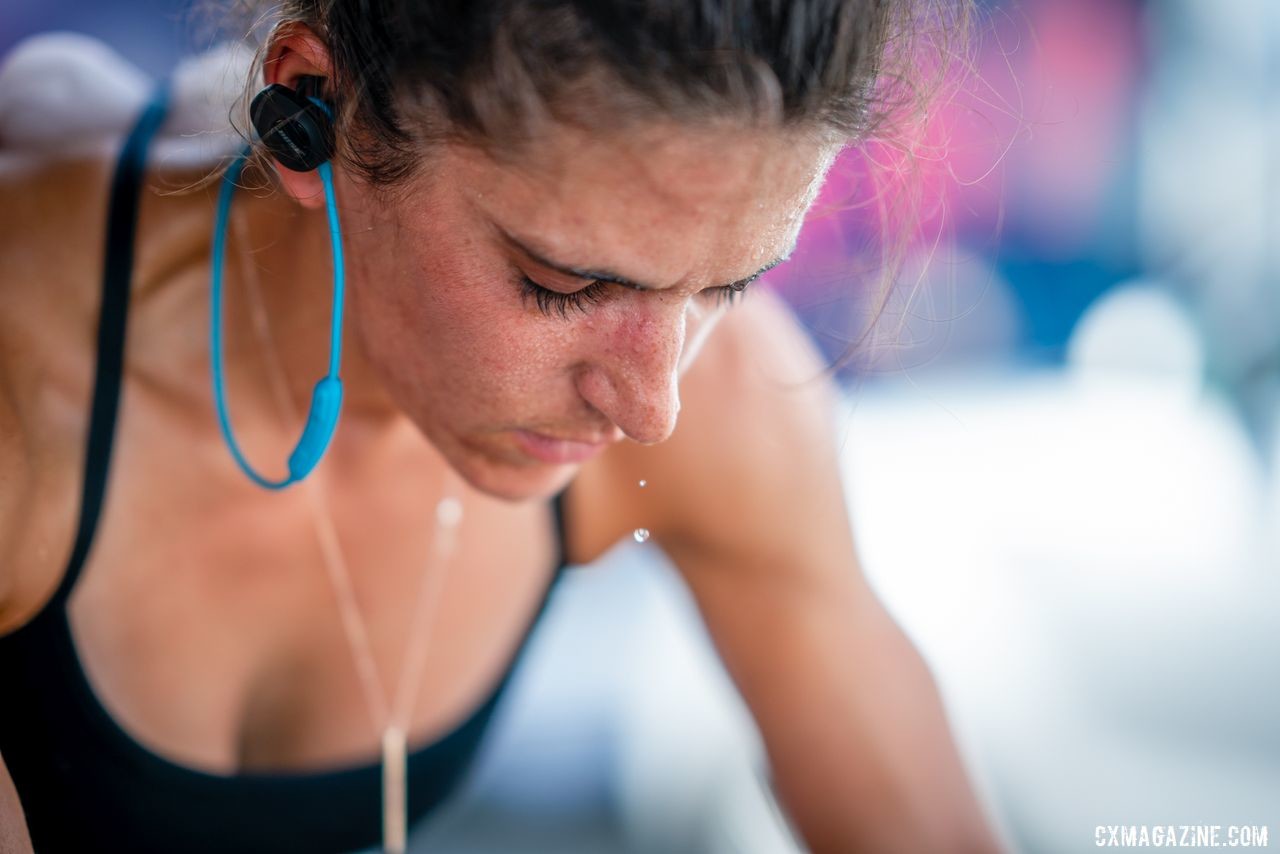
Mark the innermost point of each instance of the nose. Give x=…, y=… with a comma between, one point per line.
x=634, y=377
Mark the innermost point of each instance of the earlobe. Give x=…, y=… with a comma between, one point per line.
x=305, y=188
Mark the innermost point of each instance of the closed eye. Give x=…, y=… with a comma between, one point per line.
x=554, y=302
x=551, y=302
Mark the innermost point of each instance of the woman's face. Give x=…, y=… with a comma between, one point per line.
x=634, y=237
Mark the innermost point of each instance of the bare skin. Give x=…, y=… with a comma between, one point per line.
x=443, y=360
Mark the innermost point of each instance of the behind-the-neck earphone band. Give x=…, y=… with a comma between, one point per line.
x=297, y=130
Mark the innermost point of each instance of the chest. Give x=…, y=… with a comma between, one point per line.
x=210, y=626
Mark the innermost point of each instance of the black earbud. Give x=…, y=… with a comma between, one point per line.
x=297, y=130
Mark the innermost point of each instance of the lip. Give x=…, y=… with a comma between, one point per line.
x=549, y=449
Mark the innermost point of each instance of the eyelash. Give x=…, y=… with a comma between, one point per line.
x=554, y=302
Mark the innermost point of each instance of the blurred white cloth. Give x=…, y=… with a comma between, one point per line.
x=68, y=94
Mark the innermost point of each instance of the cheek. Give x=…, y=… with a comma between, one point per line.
x=480, y=322
x=474, y=344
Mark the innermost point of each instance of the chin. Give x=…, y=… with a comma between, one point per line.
x=486, y=469
x=511, y=482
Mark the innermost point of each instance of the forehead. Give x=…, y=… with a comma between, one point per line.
x=669, y=202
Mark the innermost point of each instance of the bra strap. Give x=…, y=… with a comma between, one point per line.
x=122, y=223
x=562, y=542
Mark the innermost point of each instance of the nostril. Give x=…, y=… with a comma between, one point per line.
x=640, y=405
x=601, y=423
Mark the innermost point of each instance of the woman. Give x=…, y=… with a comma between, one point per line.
x=546, y=210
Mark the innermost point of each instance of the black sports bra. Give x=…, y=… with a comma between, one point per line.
x=84, y=783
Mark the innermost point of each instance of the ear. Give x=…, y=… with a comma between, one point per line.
x=296, y=51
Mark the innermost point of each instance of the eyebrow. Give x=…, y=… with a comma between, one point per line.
x=613, y=278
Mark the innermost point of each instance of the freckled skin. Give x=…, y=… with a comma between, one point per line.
x=439, y=317
x=440, y=329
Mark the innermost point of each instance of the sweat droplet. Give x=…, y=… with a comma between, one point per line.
x=643, y=484
x=641, y=534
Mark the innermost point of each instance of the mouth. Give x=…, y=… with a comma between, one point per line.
x=559, y=451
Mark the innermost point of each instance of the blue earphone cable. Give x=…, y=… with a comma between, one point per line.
x=326, y=400
x=339, y=271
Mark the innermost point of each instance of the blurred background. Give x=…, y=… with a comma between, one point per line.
x=1058, y=455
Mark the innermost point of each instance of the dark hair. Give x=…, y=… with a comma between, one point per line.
x=486, y=71
x=490, y=72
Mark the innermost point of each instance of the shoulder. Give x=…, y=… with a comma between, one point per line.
x=50, y=245
x=14, y=473
x=65, y=103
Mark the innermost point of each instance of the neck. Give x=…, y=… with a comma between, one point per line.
x=280, y=252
